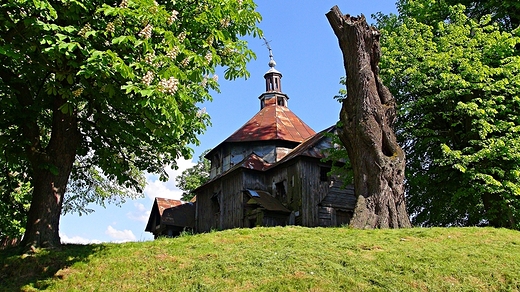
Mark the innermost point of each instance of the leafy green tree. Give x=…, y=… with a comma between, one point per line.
x=505, y=12
x=15, y=198
x=194, y=177
x=114, y=86
x=457, y=82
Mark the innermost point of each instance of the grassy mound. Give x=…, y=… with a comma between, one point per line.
x=280, y=259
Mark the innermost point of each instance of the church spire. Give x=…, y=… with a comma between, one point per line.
x=273, y=77
x=273, y=83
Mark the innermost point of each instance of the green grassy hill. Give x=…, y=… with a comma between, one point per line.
x=280, y=259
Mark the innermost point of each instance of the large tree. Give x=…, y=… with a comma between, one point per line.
x=115, y=87
x=457, y=82
x=367, y=116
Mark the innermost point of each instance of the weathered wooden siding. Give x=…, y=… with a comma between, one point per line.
x=288, y=177
x=231, y=207
x=313, y=191
x=338, y=206
x=206, y=215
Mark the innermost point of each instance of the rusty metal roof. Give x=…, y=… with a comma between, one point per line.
x=163, y=204
x=307, y=148
x=166, y=210
x=252, y=161
x=273, y=122
x=266, y=201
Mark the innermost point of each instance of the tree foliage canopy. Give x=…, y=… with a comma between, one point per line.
x=194, y=177
x=113, y=86
x=457, y=82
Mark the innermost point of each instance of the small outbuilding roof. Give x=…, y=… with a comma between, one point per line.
x=171, y=212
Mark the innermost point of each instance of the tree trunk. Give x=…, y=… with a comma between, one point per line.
x=51, y=170
x=367, y=115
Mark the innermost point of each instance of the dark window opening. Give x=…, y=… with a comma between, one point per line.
x=324, y=173
x=280, y=191
x=216, y=161
x=215, y=206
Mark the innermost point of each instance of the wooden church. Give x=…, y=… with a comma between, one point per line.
x=272, y=171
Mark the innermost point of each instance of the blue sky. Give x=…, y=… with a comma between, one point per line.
x=307, y=54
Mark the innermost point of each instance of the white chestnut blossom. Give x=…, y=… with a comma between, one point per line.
x=146, y=32
x=204, y=81
x=173, y=17
x=168, y=85
x=181, y=37
x=148, y=78
x=201, y=112
x=172, y=54
x=225, y=22
x=86, y=28
x=208, y=57
x=77, y=92
x=185, y=62
x=111, y=27
x=149, y=58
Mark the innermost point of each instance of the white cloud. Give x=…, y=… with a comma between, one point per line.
x=77, y=239
x=120, y=235
x=156, y=188
x=140, y=213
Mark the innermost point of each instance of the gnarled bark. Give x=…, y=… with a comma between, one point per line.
x=52, y=166
x=367, y=115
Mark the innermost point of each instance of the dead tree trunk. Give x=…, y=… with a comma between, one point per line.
x=367, y=115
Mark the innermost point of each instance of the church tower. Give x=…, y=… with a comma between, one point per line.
x=270, y=134
x=273, y=85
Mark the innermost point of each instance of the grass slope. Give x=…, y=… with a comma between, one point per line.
x=280, y=259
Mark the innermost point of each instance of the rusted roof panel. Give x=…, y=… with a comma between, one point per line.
x=266, y=201
x=163, y=204
x=252, y=161
x=273, y=122
x=255, y=162
x=307, y=148
x=158, y=208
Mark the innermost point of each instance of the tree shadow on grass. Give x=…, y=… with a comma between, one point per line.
x=40, y=269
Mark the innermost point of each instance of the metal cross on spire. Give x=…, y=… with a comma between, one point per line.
x=272, y=63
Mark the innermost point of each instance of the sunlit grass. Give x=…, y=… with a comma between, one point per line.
x=281, y=259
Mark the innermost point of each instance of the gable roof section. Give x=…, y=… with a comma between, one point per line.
x=273, y=123
x=266, y=201
x=310, y=147
x=163, y=204
x=252, y=161
x=158, y=208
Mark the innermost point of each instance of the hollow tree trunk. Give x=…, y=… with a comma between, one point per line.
x=51, y=170
x=367, y=115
